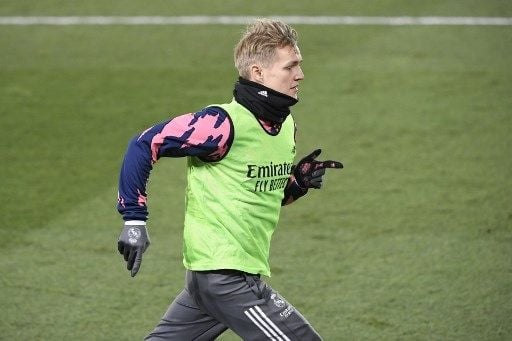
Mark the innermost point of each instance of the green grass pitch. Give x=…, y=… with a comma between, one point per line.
x=412, y=240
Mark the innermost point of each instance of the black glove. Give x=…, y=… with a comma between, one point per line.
x=309, y=172
x=132, y=243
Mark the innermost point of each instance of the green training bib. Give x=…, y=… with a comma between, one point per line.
x=233, y=205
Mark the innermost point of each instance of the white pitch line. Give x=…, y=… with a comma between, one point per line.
x=242, y=20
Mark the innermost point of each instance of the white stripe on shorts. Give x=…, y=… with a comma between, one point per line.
x=258, y=317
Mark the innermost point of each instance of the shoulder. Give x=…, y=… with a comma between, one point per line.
x=214, y=125
x=213, y=117
x=205, y=120
x=213, y=112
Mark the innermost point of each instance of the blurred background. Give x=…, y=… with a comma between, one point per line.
x=412, y=240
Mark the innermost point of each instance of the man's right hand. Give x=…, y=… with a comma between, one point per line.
x=132, y=243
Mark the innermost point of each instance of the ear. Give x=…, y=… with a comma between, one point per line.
x=256, y=73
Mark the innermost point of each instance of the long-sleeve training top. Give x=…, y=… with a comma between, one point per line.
x=206, y=134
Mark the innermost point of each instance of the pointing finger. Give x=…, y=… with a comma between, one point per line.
x=329, y=164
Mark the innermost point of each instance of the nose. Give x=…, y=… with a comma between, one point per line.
x=300, y=74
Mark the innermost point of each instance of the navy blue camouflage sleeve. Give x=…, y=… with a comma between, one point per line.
x=206, y=134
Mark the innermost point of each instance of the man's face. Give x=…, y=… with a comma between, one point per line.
x=284, y=73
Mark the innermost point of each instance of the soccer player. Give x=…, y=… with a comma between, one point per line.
x=240, y=172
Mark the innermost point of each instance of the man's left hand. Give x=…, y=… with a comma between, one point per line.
x=309, y=172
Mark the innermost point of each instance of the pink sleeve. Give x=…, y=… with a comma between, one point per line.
x=206, y=134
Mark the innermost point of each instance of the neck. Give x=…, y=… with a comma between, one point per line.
x=265, y=103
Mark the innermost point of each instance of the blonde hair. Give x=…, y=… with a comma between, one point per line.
x=259, y=44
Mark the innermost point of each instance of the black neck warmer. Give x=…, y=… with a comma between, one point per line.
x=263, y=102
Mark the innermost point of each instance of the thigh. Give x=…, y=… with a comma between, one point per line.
x=185, y=321
x=277, y=319
x=249, y=307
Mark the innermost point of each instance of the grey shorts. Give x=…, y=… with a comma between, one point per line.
x=214, y=301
